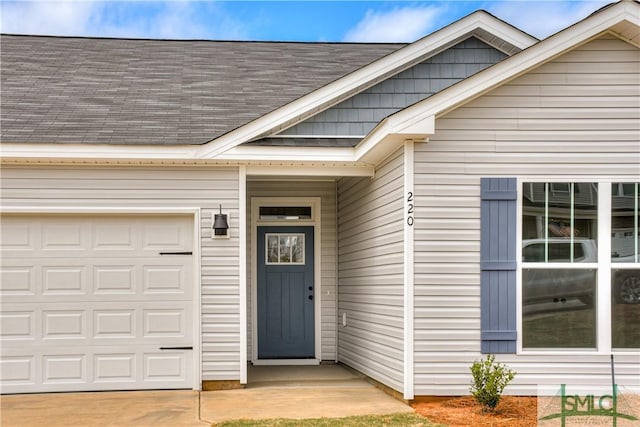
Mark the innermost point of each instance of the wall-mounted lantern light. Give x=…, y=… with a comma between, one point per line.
x=220, y=225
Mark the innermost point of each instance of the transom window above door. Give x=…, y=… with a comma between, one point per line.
x=279, y=213
x=284, y=248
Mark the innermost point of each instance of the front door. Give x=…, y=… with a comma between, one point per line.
x=285, y=293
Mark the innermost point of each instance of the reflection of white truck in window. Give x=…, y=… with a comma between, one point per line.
x=558, y=285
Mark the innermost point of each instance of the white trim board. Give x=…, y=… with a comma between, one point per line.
x=315, y=222
x=409, y=289
x=242, y=272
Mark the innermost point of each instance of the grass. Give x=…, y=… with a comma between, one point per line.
x=406, y=419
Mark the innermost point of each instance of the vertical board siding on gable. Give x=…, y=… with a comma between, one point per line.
x=83, y=187
x=361, y=113
x=577, y=116
x=370, y=272
x=326, y=190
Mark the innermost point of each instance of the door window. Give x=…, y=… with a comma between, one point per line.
x=284, y=248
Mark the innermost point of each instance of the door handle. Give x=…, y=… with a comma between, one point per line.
x=177, y=348
x=310, y=296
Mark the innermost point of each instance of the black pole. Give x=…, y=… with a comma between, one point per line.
x=615, y=398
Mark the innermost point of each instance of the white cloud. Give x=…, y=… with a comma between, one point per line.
x=59, y=18
x=544, y=18
x=145, y=19
x=404, y=24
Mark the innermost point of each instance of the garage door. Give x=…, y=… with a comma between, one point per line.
x=96, y=303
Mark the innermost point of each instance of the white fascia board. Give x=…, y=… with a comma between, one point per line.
x=272, y=153
x=420, y=114
x=97, y=151
x=506, y=32
x=316, y=170
x=393, y=63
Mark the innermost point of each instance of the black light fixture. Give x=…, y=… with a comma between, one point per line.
x=220, y=225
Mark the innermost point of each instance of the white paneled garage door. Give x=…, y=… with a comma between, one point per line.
x=90, y=303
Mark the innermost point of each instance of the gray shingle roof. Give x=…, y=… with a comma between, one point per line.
x=124, y=91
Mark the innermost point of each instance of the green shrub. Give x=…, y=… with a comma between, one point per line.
x=489, y=380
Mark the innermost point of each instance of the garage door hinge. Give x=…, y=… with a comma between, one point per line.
x=176, y=348
x=175, y=253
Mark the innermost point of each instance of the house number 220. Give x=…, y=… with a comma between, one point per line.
x=410, y=208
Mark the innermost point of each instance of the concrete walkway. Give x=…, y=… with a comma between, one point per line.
x=273, y=392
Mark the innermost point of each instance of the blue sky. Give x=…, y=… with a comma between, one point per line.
x=359, y=21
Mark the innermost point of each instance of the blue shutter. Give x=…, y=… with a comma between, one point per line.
x=498, y=264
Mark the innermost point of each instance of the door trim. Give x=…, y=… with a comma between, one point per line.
x=194, y=212
x=315, y=222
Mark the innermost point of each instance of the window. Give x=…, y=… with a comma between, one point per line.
x=559, y=248
x=276, y=213
x=284, y=248
x=625, y=271
x=565, y=268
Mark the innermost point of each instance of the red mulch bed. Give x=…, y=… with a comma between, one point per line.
x=512, y=411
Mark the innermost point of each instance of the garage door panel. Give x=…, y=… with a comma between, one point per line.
x=64, y=369
x=114, y=236
x=17, y=326
x=17, y=371
x=88, y=302
x=165, y=323
x=64, y=279
x=165, y=366
x=63, y=235
x=17, y=281
x=165, y=279
x=115, y=367
x=163, y=237
x=111, y=280
x=17, y=236
x=64, y=324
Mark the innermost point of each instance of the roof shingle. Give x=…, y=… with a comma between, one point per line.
x=127, y=91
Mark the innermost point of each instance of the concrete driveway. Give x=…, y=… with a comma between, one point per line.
x=273, y=392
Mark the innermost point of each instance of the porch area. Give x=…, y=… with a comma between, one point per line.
x=293, y=392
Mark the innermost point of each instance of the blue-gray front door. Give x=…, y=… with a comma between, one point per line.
x=285, y=293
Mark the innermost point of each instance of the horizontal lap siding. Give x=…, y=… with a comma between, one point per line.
x=326, y=190
x=577, y=116
x=85, y=187
x=370, y=272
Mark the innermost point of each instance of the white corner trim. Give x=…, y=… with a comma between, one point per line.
x=409, y=218
x=393, y=63
x=510, y=68
x=242, y=226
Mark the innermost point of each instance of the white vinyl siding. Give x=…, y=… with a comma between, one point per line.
x=370, y=272
x=577, y=117
x=326, y=190
x=128, y=188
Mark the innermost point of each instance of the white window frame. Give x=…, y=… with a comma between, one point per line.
x=603, y=267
